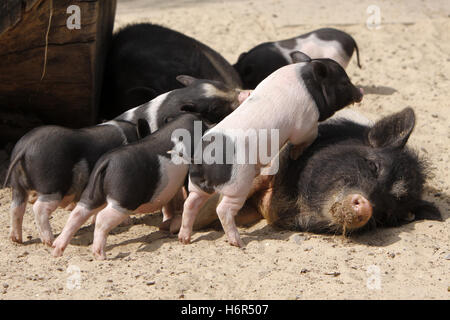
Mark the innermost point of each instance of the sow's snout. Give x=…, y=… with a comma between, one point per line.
x=353, y=212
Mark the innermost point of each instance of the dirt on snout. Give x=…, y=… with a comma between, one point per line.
x=405, y=63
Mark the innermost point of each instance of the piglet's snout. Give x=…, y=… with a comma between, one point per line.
x=243, y=94
x=359, y=95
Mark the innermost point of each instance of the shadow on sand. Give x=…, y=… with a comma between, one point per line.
x=379, y=90
x=380, y=237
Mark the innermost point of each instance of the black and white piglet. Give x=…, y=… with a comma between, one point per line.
x=137, y=178
x=56, y=163
x=144, y=60
x=256, y=64
x=212, y=100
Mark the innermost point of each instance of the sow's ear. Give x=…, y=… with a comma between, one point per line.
x=298, y=56
x=392, y=131
x=186, y=80
x=143, y=128
x=425, y=210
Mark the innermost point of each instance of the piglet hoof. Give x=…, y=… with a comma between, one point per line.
x=99, y=255
x=237, y=243
x=58, y=248
x=47, y=240
x=175, y=224
x=165, y=225
x=235, y=240
x=15, y=237
x=57, y=252
x=184, y=236
x=172, y=225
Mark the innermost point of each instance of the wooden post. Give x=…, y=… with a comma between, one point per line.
x=49, y=73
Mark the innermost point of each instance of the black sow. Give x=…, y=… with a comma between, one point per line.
x=353, y=177
x=144, y=61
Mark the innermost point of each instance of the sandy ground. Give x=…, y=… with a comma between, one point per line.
x=405, y=63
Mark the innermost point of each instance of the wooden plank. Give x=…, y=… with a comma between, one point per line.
x=31, y=31
x=10, y=13
x=69, y=92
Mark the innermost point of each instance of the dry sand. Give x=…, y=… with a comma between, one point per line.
x=405, y=63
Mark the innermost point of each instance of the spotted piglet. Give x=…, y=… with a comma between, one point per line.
x=259, y=62
x=138, y=178
x=56, y=163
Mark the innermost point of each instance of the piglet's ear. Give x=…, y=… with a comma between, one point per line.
x=392, y=131
x=298, y=56
x=186, y=80
x=143, y=128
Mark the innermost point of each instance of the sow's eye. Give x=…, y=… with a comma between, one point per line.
x=373, y=167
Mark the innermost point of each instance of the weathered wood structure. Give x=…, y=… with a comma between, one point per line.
x=50, y=70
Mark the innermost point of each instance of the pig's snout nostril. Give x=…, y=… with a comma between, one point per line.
x=359, y=202
x=361, y=205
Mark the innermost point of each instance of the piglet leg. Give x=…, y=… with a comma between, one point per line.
x=67, y=200
x=126, y=223
x=107, y=219
x=94, y=217
x=70, y=206
x=18, y=206
x=76, y=219
x=192, y=206
x=42, y=211
x=32, y=197
x=227, y=210
x=172, y=220
x=168, y=211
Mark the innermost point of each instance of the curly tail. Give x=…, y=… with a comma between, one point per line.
x=99, y=172
x=13, y=163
